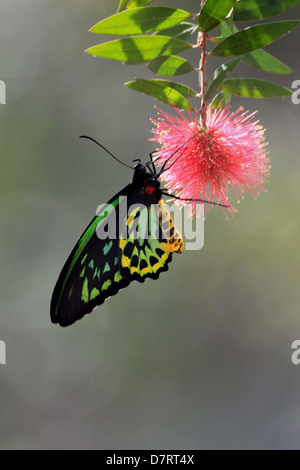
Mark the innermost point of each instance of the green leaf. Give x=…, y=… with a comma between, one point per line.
x=252, y=88
x=170, y=66
x=140, y=20
x=257, y=9
x=264, y=61
x=225, y=29
x=182, y=89
x=137, y=3
x=219, y=75
x=122, y=5
x=132, y=4
x=138, y=49
x=253, y=38
x=180, y=31
x=260, y=59
x=221, y=100
x=161, y=92
x=213, y=13
x=229, y=20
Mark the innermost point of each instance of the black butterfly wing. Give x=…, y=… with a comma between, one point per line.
x=91, y=273
x=99, y=267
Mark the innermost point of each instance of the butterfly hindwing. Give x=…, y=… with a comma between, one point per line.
x=151, y=240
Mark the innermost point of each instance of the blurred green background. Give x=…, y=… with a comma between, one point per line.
x=200, y=358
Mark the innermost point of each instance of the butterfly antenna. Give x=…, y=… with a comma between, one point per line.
x=102, y=146
x=196, y=200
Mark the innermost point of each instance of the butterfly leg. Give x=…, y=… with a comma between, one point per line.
x=153, y=169
x=195, y=200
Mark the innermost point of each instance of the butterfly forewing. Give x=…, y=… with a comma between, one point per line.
x=91, y=273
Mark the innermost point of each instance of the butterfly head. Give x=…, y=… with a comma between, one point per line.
x=145, y=183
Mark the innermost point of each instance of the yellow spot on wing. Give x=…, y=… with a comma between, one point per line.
x=133, y=270
x=177, y=246
x=175, y=242
x=130, y=220
x=125, y=261
x=157, y=266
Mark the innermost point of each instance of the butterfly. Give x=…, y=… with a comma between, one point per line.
x=141, y=247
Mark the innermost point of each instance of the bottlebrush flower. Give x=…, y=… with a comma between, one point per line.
x=229, y=156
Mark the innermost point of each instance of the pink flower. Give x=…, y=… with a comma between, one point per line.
x=228, y=157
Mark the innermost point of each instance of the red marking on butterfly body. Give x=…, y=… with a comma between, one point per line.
x=150, y=189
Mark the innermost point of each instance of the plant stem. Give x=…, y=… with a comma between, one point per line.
x=203, y=80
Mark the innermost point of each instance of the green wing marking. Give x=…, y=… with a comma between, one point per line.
x=91, y=273
x=148, y=251
x=98, y=268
